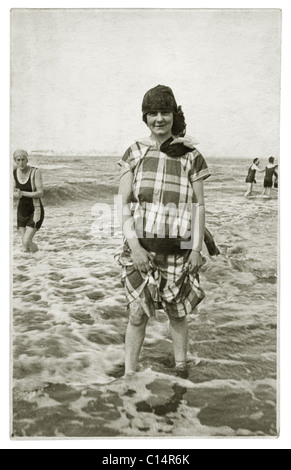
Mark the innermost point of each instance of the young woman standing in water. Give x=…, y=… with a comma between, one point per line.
x=159, y=176
x=28, y=189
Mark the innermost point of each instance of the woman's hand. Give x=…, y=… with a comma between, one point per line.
x=142, y=259
x=196, y=260
x=18, y=193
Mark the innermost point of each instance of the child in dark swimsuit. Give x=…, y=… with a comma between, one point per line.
x=250, y=179
x=27, y=189
x=268, y=180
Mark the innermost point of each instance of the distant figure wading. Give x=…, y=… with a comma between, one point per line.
x=251, y=176
x=271, y=171
x=28, y=189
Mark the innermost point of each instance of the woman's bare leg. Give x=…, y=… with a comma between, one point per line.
x=21, y=231
x=27, y=242
x=134, y=339
x=249, y=189
x=179, y=334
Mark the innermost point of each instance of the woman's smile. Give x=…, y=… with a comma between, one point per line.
x=160, y=123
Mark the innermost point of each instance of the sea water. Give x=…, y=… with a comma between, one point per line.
x=69, y=317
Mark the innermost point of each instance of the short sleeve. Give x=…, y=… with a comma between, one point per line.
x=132, y=157
x=199, y=169
x=127, y=162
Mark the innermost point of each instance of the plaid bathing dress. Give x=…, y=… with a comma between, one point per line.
x=162, y=205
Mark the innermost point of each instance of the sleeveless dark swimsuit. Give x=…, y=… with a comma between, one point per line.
x=251, y=175
x=30, y=212
x=268, y=180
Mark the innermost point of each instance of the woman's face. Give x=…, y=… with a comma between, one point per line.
x=160, y=123
x=21, y=162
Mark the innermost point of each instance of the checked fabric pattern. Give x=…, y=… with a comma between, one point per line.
x=162, y=208
x=168, y=285
x=162, y=192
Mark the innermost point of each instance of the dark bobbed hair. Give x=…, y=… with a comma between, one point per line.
x=255, y=159
x=271, y=159
x=161, y=98
x=179, y=123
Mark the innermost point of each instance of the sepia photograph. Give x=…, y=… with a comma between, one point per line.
x=144, y=223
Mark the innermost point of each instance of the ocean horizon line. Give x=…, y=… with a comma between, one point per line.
x=77, y=154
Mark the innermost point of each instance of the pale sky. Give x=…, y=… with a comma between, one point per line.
x=78, y=77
